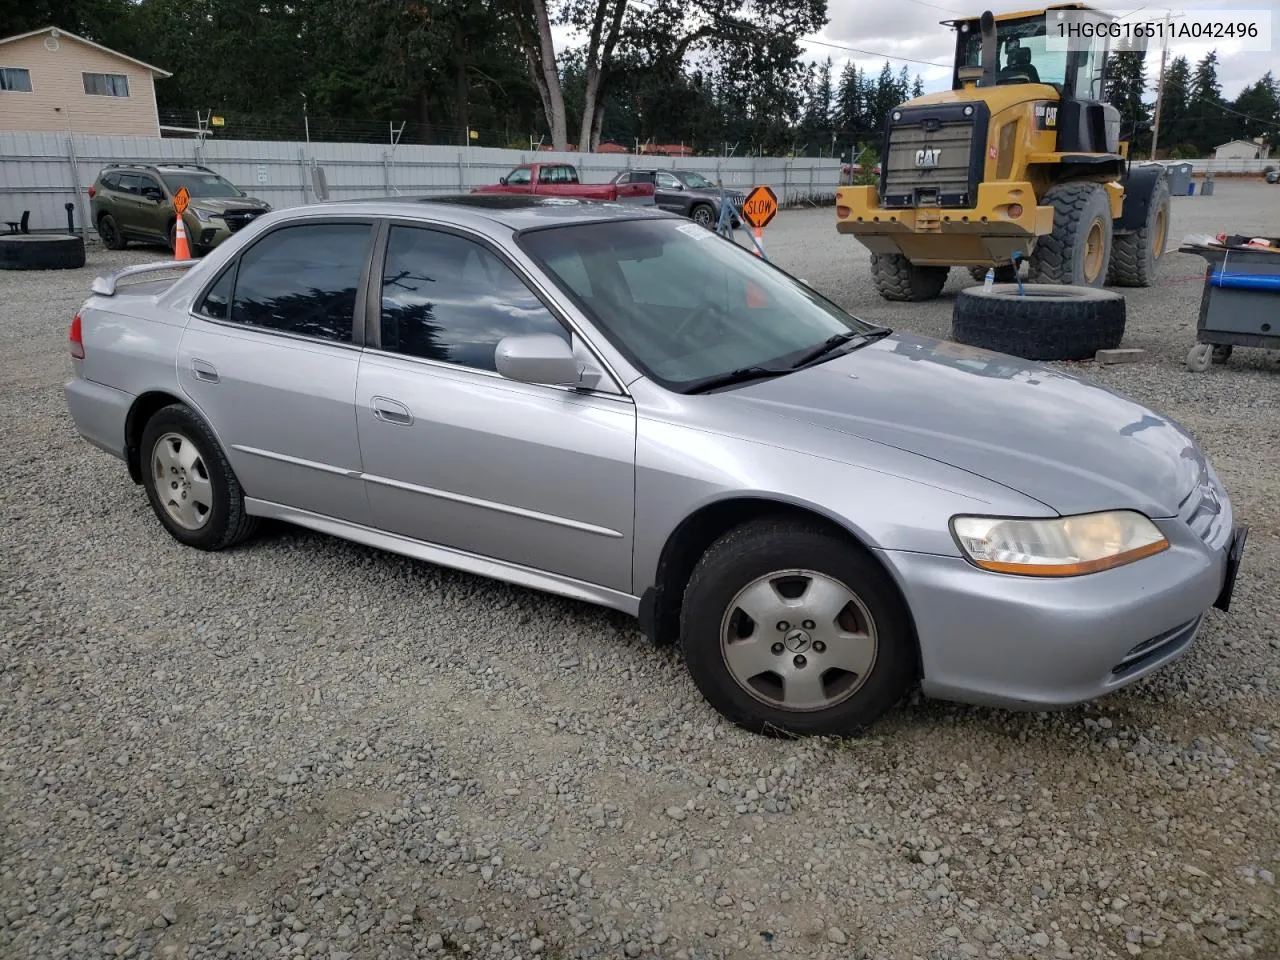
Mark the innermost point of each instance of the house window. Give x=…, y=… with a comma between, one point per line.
x=15, y=78
x=106, y=84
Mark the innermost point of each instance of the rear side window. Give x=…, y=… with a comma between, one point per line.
x=303, y=280
x=217, y=300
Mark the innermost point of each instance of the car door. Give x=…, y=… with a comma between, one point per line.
x=667, y=193
x=153, y=208
x=130, y=207
x=270, y=357
x=456, y=454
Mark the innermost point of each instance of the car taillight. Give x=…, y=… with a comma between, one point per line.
x=77, y=341
x=92, y=193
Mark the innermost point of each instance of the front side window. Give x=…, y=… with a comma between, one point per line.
x=17, y=79
x=200, y=185
x=667, y=181
x=303, y=280
x=106, y=84
x=683, y=303
x=695, y=181
x=518, y=177
x=450, y=299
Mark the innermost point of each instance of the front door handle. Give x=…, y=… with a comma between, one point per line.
x=392, y=411
x=203, y=370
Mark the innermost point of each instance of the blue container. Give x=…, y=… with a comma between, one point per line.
x=1191, y=189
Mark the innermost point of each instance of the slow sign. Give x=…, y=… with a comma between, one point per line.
x=180, y=200
x=760, y=207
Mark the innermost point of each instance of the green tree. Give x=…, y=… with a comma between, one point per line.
x=1128, y=84
x=1258, y=110
x=1174, y=101
x=1208, y=123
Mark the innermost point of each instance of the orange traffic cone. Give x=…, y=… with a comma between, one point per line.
x=759, y=244
x=180, y=249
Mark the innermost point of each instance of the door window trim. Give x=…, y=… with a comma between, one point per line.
x=357, y=329
x=373, y=308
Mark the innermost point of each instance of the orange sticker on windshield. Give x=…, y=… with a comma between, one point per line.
x=756, y=297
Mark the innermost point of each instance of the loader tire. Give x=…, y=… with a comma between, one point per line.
x=897, y=278
x=41, y=252
x=1135, y=256
x=1049, y=322
x=1078, y=251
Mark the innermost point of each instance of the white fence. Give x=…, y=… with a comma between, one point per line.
x=1228, y=166
x=42, y=172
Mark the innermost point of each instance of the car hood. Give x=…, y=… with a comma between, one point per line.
x=1072, y=445
x=223, y=204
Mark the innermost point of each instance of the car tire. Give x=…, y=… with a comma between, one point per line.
x=1044, y=322
x=1078, y=251
x=788, y=556
x=1005, y=273
x=189, y=482
x=41, y=252
x=1135, y=256
x=897, y=278
x=110, y=232
x=704, y=215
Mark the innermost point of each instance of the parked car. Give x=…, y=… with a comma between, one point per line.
x=1272, y=175
x=561, y=180
x=602, y=402
x=687, y=193
x=135, y=201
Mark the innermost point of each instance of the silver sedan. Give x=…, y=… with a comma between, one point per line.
x=617, y=405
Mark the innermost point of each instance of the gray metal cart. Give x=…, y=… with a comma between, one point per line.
x=1240, y=306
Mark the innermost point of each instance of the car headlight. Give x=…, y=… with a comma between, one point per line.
x=1061, y=547
x=205, y=216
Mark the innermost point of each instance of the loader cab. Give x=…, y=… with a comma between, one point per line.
x=1028, y=48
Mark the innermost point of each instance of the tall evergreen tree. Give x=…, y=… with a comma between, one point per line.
x=1128, y=84
x=1174, y=125
x=917, y=88
x=1209, y=123
x=1258, y=110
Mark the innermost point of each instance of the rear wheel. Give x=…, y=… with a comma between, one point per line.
x=897, y=278
x=191, y=486
x=110, y=232
x=788, y=629
x=1078, y=251
x=1005, y=273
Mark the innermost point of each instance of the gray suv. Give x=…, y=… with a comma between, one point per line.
x=687, y=193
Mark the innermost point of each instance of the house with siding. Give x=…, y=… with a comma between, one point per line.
x=51, y=80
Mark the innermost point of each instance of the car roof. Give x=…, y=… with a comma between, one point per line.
x=514, y=211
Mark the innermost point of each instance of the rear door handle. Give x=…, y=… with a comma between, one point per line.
x=203, y=370
x=392, y=411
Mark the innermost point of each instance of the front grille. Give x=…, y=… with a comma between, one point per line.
x=933, y=156
x=1158, y=646
x=237, y=219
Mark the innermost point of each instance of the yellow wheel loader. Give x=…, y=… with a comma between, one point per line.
x=1021, y=159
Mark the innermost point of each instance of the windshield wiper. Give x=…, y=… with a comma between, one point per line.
x=827, y=347
x=740, y=375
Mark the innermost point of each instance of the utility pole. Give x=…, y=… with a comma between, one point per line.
x=1164, y=55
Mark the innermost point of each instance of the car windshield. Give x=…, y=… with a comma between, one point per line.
x=200, y=185
x=695, y=181
x=687, y=306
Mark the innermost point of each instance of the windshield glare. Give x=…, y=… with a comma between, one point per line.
x=695, y=180
x=683, y=303
x=200, y=185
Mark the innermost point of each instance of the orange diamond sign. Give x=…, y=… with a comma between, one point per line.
x=180, y=200
x=760, y=207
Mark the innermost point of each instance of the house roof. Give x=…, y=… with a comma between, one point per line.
x=1247, y=143
x=88, y=43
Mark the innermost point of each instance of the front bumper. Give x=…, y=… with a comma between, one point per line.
x=1033, y=643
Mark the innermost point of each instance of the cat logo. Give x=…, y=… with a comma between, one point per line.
x=928, y=157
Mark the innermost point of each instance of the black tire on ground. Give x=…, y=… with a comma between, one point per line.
x=704, y=215
x=110, y=232
x=226, y=523
x=1005, y=273
x=897, y=278
x=36, y=251
x=1135, y=256
x=1078, y=251
x=777, y=546
x=1051, y=322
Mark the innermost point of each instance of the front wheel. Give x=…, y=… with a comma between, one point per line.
x=788, y=629
x=703, y=216
x=1078, y=250
x=191, y=486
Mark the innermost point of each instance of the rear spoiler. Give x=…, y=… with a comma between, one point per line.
x=105, y=284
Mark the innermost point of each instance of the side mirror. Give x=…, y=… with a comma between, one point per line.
x=503, y=181
x=538, y=358
x=153, y=194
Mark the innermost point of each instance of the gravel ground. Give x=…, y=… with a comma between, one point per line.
x=305, y=748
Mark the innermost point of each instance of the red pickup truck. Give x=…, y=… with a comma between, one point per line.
x=561, y=180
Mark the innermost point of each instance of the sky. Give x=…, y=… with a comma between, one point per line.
x=913, y=31
x=896, y=29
